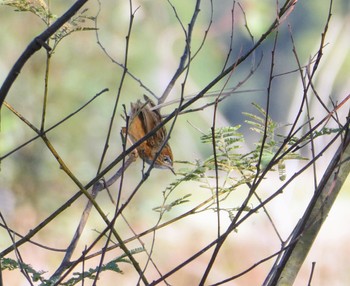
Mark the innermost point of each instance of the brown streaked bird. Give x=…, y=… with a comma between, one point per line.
x=142, y=121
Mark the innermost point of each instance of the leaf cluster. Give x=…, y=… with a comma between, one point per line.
x=235, y=167
x=40, y=9
x=37, y=276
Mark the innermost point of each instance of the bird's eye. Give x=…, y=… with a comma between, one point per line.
x=167, y=160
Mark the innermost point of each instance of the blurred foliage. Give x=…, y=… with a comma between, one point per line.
x=37, y=276
x=40, y=9
x=80, y=68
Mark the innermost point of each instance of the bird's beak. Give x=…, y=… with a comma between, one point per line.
x=172, y=170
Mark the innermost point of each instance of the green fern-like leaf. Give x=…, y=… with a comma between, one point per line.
x=176, y=202
x=76, y=24
x=10, y=264
x=110, y=266
x=40, y=9
x=37, y=7
x=235, y=168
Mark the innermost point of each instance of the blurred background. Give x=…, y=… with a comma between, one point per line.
x=32, y=185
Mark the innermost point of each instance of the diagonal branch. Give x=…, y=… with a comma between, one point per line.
x=285, y=272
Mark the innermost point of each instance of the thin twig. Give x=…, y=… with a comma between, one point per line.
x=185, y=55
x=65, y=263
x=36, y=130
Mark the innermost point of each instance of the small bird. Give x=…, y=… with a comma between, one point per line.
x=142, y=121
